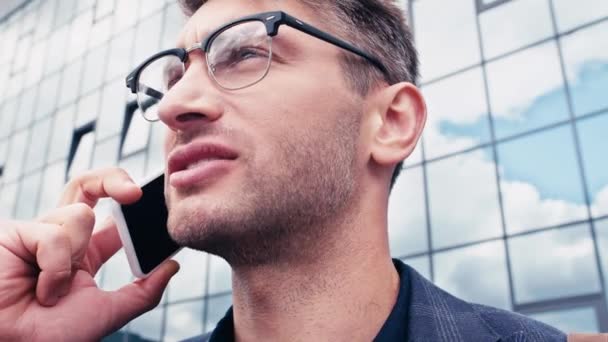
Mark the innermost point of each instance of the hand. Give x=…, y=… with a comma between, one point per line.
x=47, y=266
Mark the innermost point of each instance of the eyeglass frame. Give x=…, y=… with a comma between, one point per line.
x=272, y=21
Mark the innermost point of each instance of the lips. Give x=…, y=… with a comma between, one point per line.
x=198, y=161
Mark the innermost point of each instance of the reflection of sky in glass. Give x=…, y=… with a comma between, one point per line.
x=581, y=320
x=541, y=183
x=421, y=264
x=446, y=36
x=593, y=135
x=184, y=321
x=189, y=282
x=565, y=257
x=148, y=325
x=461, y=210
x=216, y=310
x=526, y=90
x=586, y=63
x=457, y=114
x=477, y=274
x=406, y=214
x=533, y=24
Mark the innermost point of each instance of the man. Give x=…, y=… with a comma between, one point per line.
x=282, y=146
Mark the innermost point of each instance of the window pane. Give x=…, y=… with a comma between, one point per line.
x=463, y=199
x=61, y=135
x=52, y=186
x=216, y=310
x=458, y=115
x=156, y=157
x=116, y=272
x=113, y=102
x=134, y=166
x=125, y=14
x=571, y=14
x=9, y=111
x=14, y=161
x=499, y=32
x=106, y=153
x=601, y=228
x=174, y=21
x=100, y=33
x=190, y=281
x=38, y=146
x=47, y=95
x=421, y=264
x=70, y=82
x=119, y=59
x=586, y=62
x=26, y=108
x=407, y=215
x=57, y=49
x=148, y=325
x=35, y=65
x=147, y=37
x=137, y=135
x=592, y=133
x=540, y=180
x=445, y=28
x=94, y=66
x=220, y=275
x=581, y=320
x=553, y=264
x=3, y=151
x=80, y=31
x=527, y=91
x=477, y=274
x=88, y=107
x=184, y=321
x=82, y=158
x=28, y=197
x=8, y=196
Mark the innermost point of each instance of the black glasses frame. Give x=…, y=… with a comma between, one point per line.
x=272, y=21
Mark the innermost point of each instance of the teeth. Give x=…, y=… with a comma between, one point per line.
x=199, y=162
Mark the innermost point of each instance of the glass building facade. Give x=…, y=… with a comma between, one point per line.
x=504, y=202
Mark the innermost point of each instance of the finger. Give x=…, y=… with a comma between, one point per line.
x=77, y=222
x=93, y=185
x=51, y=247
x=143, y=295
x=104, y=244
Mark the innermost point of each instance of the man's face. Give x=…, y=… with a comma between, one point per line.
x=249, y=169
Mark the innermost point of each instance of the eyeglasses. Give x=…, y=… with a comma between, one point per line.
x=238, y=55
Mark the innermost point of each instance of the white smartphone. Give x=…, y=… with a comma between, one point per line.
x=142, y=227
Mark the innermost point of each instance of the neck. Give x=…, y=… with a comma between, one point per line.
x=344, y=293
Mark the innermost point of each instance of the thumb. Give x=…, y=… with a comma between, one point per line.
x=142, y=295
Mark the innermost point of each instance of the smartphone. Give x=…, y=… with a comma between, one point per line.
x=142, y=227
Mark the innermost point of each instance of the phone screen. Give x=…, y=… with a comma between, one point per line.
x=146, y=221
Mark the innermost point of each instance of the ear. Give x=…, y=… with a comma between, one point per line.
x=400, y=115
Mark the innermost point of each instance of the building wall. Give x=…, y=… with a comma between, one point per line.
x=504, y=202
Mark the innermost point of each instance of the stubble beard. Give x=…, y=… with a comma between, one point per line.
x=284, y=215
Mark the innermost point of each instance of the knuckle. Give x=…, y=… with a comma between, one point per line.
x=57, y=237
x=83, y=213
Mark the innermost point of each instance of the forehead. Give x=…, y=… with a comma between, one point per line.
x=215, y=13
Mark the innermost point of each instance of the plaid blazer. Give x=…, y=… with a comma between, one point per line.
x=437, y=316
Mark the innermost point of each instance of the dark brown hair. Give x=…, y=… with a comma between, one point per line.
x=375, y=26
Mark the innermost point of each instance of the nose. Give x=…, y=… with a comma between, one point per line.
x=192, y=101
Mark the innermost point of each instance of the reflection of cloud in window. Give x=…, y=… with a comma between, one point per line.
x=406, y=214
x=476, y=274
x=563, y=257
x=184, y=321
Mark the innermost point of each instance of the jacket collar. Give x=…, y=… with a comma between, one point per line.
x=435, y=315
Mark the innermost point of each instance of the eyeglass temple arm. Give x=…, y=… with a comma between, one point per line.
x=304, y=27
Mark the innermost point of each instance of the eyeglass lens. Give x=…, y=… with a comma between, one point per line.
x=238, y=57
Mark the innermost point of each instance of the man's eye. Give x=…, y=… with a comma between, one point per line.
x=246, y=53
